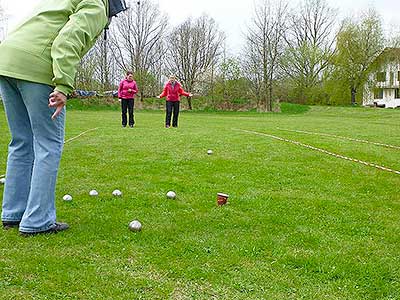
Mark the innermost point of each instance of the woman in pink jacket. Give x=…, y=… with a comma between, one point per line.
x=173, y=90
x=126, y=94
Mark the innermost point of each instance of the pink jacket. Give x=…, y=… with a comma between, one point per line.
x=173, y=93
x=127, y=89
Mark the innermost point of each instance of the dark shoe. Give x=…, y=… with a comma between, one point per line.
x=56, y=228
x=166, y=126
x=10, y=224
x=131, y=126
x=123, y=126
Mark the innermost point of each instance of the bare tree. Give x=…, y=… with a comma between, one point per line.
x=98, y=69
x=85, y=75
x=102, y=51
x=194, y=47
x=264, y=49
x=135, y=40
x=309, y=44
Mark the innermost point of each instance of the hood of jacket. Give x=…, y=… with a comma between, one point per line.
x=115, y=7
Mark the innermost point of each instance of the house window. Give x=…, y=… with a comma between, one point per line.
x=381, y=76
x=397, y=93
x=378, y=94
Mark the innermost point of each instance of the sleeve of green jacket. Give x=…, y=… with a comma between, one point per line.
x=74, y=40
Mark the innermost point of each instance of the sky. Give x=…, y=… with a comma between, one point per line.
x=232, y=16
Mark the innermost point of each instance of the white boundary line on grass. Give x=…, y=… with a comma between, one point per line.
x=341, y=137
x=69, y=140
x=323, y=151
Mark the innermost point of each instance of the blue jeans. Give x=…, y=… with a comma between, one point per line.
x=34, y=154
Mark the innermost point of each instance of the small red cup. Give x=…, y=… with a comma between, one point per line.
x=222, y=199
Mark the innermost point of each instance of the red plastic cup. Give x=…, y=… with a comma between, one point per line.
x=222, y=198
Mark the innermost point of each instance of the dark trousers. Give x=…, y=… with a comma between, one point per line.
x=172, y=107
x=127, y=105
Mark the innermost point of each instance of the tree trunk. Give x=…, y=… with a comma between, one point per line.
x=259, y=103
x=270, y=97
x=262, y=103
x=353, y=96
x=190, y=103
x=141, y=96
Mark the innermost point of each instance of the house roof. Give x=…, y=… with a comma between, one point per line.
x=387, y=55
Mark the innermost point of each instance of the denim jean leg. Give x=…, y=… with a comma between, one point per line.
x=20, y=152
x=40, y=213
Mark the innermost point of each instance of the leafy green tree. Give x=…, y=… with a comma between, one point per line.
x=231, y=85
x=359, y=42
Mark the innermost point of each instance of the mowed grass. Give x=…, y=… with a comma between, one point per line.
x=300, y=224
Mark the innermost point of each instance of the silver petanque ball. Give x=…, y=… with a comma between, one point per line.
x=93, y=193
x=2, y=180
x=171, y=195
x=209, y=152
x=117, y=193
x=135, y=225
x=67, y=197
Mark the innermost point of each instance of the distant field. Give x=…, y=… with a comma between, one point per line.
x=299, y=224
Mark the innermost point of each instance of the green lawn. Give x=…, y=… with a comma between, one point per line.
x=300, y=224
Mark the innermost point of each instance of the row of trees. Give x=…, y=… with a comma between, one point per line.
x=301, y=54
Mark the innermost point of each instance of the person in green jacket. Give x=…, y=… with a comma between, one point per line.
x=38, y=63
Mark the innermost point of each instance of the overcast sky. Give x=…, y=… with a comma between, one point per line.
x=232, y=16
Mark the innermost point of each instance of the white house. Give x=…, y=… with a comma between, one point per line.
x=383, y=86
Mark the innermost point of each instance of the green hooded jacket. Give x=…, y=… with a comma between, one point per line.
x=48, y=46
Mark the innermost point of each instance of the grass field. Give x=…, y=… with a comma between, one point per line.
x=299, y=224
